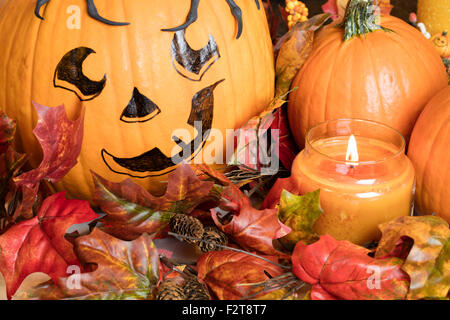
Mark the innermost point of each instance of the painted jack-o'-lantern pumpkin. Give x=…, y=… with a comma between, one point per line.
x=441, y=43
x=138, y=80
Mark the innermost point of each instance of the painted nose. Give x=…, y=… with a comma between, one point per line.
x=139, y=109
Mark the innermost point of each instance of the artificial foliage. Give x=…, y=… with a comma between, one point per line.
x=228, y=233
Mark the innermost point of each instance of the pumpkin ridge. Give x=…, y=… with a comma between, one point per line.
x=376, y=78
x=327, y=91
x=428, y=178
x=417, y=49
x=231, y=85
x=33, y=119
x=429, y=153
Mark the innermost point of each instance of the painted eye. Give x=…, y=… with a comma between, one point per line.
x=139, y=109
x=69, y=75
x=193, y=64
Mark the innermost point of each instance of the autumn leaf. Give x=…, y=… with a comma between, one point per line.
x=184, y=191
x=287, y=150
x=125, y=219
x=61, y=141
x=428, y=260
x=131, y=210
x=125, y=270
x=7, y=131
x=253, y=146
x=227, y=272
x=22, y=201
x=38, y=244
x=10, y=164
x=273, y=197
x=206, y=173
x=250, y=228
x=294, y=48
x=342, y=270
x=299, y=213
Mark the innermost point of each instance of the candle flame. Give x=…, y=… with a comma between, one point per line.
x=352, y=151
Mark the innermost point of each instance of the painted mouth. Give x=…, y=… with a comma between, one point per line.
x=154, y=162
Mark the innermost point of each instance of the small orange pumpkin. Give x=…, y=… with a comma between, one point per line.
x=386, y=75
x=441, y=43
x=429, y=152
x=138, y=80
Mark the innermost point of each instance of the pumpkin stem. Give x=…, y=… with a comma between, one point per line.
x=361, y=18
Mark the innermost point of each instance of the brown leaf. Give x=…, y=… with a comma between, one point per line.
x=295, y=48
x=7, y=131
x=251, y=228
x=131, y=210
x=125, y=270
x=428, y=260
x=227, y=272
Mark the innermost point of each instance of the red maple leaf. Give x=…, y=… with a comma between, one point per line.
x=61, y=141
x=273, y=197
x=342, y=270
x=251, y=228
x=38, y=244
x=287, y=150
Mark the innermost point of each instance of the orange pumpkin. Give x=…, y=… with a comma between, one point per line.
x=434, y=14
x=138, y=80
x=387, y=74
x=441, y=44
x=429, y=152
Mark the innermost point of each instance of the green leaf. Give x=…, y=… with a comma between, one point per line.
x=299, y=213
x=428, y=261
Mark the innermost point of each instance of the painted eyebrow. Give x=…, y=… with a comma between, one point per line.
x=191, y=18
x=196, y=62
x=92, y=11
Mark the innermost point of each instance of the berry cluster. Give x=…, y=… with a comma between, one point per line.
x=298, y=12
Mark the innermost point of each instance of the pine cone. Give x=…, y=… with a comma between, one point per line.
x=213, y=236
x=187, y=226
x=194, y=290
x=170, y=290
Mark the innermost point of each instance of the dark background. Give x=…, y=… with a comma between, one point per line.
x=402, y=8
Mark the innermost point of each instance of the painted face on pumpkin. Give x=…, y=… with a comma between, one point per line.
x=190, y=64
x=441, y=40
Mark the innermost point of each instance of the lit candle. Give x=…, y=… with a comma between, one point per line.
x=363, y=173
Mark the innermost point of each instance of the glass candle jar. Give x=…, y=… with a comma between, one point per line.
x=363, y=173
